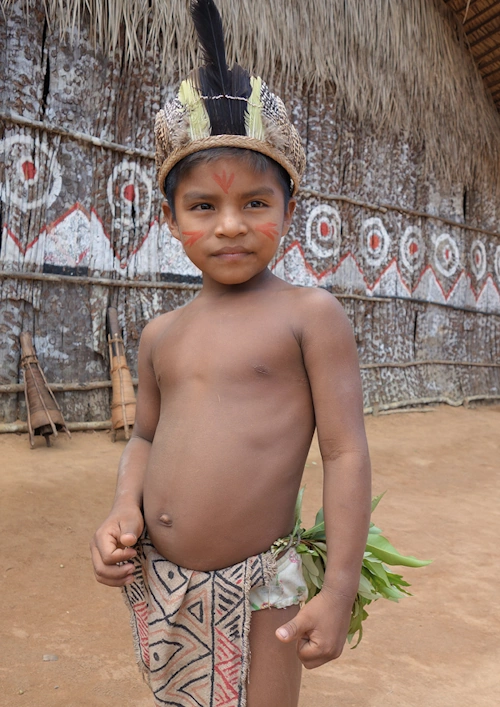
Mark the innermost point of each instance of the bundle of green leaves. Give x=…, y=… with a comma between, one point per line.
x=376, y=580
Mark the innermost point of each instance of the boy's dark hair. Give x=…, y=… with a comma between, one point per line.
x=256, y=160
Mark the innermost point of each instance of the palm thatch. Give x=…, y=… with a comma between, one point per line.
x=395, y=66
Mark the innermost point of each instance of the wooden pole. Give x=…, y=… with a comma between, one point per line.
x=63, y=387
x=160, y=285
x=403, y=405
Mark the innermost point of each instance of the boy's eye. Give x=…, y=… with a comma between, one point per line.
x=202, y=207
x=255, y=203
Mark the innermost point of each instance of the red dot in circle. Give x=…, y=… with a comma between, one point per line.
x=129, y=192
x=324, y=229
x=374, y=241
x=477, y=258
x=413, y=248
x=29, y=169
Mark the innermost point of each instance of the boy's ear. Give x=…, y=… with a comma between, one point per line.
x=288, y=216
x=170, y=219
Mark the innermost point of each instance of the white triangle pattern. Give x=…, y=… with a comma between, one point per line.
x=79, y=240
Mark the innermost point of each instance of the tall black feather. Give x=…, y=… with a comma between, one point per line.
x=215, y=78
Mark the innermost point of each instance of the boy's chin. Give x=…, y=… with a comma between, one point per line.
x=232, y=278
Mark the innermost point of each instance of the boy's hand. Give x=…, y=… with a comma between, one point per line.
x=320, y=628
x=112, y=544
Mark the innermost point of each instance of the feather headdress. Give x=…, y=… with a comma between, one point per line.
x=221, y=107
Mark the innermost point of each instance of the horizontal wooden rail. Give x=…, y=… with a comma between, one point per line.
x=428, y=362
x=11, y=388
x=98, y=281
x=383, y=208
x=374, y=409
x=377, y=408
x=62, y=387
x=6, y=427
x=194, y=286
x=77, y=136
x=147, y=154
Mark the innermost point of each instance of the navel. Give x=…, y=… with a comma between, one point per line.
x=166, y=519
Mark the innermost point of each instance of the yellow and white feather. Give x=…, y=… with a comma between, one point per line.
x=253, y=114
x=199, y=121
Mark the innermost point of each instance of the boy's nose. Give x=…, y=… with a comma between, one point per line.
x=229, y=225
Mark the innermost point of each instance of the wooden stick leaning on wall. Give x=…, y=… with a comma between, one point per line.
x=123, y=396
x=44, y=414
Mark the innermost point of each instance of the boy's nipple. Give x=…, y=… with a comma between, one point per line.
x=165, y=519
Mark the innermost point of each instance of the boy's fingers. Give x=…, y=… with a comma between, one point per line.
x=112, y=575
x=127, y=538
x=292, y=630
x=130, y=531
x=110, y=550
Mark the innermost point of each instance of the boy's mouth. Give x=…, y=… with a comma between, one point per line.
x=232, y=251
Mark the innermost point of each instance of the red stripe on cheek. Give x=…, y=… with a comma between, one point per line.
x=224, y=181
x=269, y=229
x=192, y=236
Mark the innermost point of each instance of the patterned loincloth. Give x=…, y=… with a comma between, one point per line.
x=191, y=628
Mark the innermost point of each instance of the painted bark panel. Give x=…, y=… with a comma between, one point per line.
x=73, y=208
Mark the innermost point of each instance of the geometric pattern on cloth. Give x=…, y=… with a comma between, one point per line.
x=191, y=628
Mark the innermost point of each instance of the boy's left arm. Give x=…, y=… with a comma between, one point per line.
x=329, y=350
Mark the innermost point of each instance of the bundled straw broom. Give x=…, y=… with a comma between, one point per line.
x=44, y=414
x=123, y=396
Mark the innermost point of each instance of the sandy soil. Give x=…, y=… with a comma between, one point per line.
x=440, y=648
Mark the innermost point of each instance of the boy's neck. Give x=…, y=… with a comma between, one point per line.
x=261, y=281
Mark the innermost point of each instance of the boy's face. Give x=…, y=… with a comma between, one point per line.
x=229, y=218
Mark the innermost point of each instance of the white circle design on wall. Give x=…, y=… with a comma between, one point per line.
x=323, y=231
x=129, y=192
x=446, y=255
x=412, y=248
x=375, y=241
x=32, y=172
x=497, y=263
x=478, y=259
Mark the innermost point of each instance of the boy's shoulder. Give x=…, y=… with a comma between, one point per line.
x=155, y=327
x=319, y=318
x=316, y=302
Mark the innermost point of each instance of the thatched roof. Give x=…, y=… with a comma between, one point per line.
x=396, y=66
x=480, y=20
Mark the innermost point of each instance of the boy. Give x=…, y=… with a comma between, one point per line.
x=231, y=388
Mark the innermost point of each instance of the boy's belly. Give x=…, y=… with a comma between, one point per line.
x=220, y=486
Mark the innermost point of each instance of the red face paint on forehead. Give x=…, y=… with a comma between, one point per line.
x=192, y=236
x=224, y=181
x=269, y=229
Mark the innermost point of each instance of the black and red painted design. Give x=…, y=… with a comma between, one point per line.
x=191, y=628
x=121, y=233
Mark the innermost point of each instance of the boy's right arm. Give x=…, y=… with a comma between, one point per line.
x=113, y=541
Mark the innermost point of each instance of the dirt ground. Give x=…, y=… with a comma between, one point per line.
x=439, y=648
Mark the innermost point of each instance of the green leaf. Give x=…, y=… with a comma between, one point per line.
x=366, y=589
x=376, y=500
x=382, y=548
x=378, y=570
x=298, y=506
x=310, y=565
x=320, y=518
x=317, y=532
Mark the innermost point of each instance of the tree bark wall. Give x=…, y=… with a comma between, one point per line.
x=424, y=290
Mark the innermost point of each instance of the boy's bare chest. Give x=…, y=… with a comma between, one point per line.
x=240, y=347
